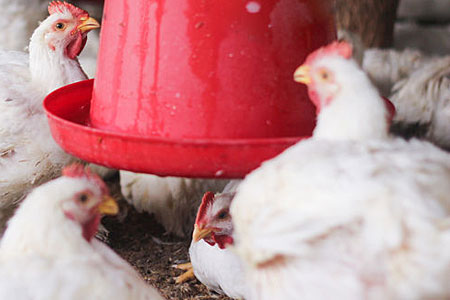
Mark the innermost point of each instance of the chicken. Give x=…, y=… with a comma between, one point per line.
x=419, y=87
x=49, y=250
x=386, y=67
x=345, y=215
x=423, y=102
x=212, y=263
x=21, y=17
x=334, y=101
x=28, y=154
x=172, y=200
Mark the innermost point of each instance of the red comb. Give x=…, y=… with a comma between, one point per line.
x=207, y=199
x=342, y=49
x=59, y=7
x=79, y=171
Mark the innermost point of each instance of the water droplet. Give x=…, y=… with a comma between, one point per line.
x=174, y=107
x=177, y=95
x=219, y=173
x=253, y=7
x=231, y=55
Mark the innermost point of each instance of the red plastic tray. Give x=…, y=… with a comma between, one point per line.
x=68, y=114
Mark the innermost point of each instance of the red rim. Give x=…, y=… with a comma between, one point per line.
x=68, y=109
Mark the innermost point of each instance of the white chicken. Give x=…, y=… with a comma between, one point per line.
x=423, y=100
x=419, y=87
x=21, y=17
x=325, y=88
x=346, y=216
x=28, y=154
x=212, y=263
x=49, y=250
x=172, y=200
x=386, y=67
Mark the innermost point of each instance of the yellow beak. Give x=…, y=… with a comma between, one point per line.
x=87, y=24
x=108, y=206
x=200, y=233
x=302, y=74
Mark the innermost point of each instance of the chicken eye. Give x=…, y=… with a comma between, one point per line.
x=324, y=75
x=60, y=26
x=222, y=215
x=83, y=198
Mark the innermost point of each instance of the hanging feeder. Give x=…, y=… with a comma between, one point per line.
x=193, y=88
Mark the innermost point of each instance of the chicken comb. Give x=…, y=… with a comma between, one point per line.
x=207, y=200
x=60, y=7
x=77, y=170
x=342, y=49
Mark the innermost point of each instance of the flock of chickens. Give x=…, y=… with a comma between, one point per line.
x=354, y=212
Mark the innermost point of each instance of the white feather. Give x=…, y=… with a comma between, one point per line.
x=219, y=269
x=424, y=98
x=347, y=220
x=172, y=200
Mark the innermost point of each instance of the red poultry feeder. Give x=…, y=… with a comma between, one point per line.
x=194, y=88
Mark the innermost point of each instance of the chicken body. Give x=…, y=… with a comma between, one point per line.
x=28, y=154
x=20, y=18
x=419, y=88
x=346, y=216
x=386, y=67
x=422, y=100
x=49, y=252
x=218, y=269
x=347, y=220
x=172, y=200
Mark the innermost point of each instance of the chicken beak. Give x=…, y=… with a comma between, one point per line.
x=108, y=206
x=302, y=74
x=200, y=233
x=87, y=24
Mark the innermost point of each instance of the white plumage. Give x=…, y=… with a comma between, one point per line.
x=344, y=217
x=386, y=67
x=20, y=18
x=46, y=254
x=347, y=220
x=28, y=154
x=423, y=98
x=172, y=200
x=219, y=268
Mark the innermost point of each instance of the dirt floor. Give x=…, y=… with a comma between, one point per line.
x=142, y=242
